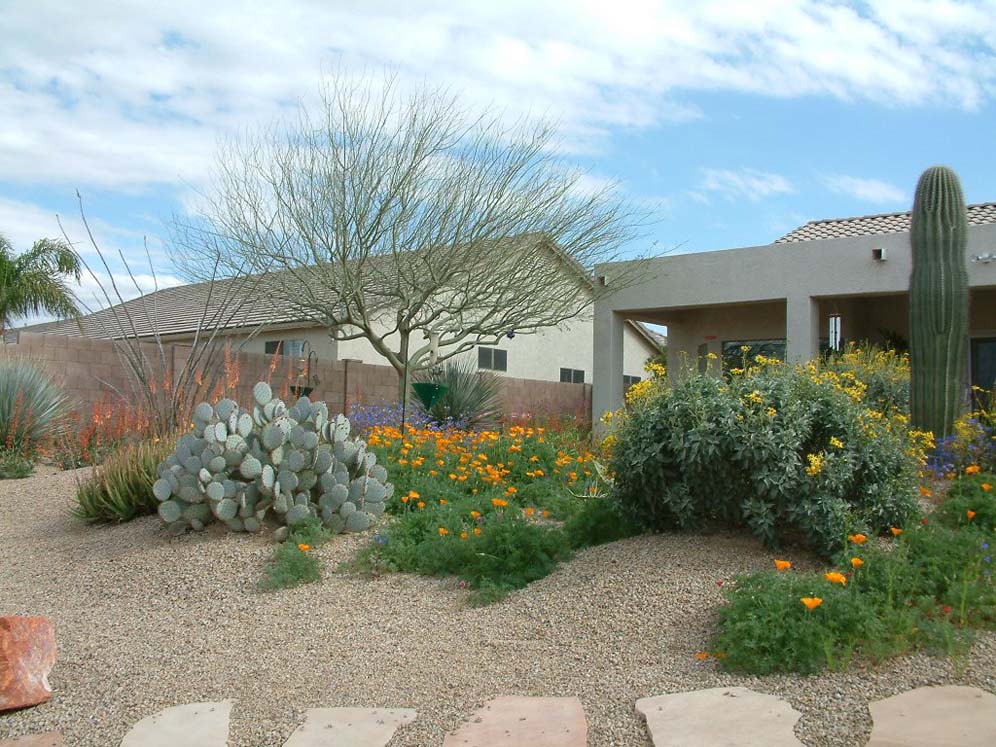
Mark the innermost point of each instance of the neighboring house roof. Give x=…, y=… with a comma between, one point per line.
x=179, y=310
x=869, y=225
x=173, y=311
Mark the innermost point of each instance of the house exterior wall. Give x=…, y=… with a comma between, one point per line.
x=538, y=356
x=807, y=279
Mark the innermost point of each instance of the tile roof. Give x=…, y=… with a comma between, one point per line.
x=176, y=310
x=868, y=225
x=182, y=309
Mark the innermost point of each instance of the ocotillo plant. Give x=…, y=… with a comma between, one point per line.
x=938, y=301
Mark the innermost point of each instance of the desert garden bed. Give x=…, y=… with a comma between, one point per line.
x=145, y=621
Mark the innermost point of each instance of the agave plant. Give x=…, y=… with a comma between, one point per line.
x=472, y=398
x=120, y=489
x=33, y=407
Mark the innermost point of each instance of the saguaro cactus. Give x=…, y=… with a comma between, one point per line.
x=938, y=301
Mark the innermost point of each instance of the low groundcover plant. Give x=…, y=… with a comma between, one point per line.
x=923, y=586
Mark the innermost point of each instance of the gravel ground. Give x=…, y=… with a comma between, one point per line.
x=144, y=622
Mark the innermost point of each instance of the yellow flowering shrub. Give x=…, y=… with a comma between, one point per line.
x=778, y=449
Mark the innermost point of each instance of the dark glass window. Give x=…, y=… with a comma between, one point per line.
x=628, y=381
x=492, y=359
x=571, y=376
x=736, y=352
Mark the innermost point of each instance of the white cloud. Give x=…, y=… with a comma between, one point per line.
x=141, y=105
x=865, y=190
x=749, y=184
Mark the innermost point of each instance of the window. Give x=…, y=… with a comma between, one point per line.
x=571, y=376
x=834, y=340
x=292, y=348
x=736, y=352
x=628, y=381
x=492, y=359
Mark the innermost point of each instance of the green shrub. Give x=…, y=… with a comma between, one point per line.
x=885, y=375
x=970, y=494
x=120, y=489
x=597, y=521
x=33, y=408
x=784, y=451
x=294, y=562
x=507, y=551
x=765, y=627
x=472, y=397
x=924, y=590
x=15, y=466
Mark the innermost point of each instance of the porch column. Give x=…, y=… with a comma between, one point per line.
x=607, y=387
x=802, y=328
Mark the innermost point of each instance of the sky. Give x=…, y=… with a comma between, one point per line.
x=730, y=122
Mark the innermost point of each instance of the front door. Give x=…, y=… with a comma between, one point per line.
x=983, y=368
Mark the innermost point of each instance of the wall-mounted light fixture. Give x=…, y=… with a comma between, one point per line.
x=984, y=258
x=879, y=254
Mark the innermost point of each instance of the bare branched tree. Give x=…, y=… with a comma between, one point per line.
x=397, y=218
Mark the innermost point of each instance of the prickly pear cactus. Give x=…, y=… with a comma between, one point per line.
x=292, y=463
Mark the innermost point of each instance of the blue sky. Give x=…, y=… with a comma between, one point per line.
x=733, y=121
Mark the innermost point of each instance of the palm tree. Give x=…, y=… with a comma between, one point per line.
x=35, y=282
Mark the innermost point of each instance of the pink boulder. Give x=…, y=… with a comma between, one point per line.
x=27, y=655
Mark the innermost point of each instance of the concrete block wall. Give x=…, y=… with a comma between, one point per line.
x=92, y=372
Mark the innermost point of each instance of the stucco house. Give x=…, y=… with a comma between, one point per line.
x=824, y=283
x=557, y=354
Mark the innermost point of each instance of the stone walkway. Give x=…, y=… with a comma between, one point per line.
x=950, y=716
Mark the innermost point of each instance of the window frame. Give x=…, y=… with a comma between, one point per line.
x=492, y=359
x=574, y=375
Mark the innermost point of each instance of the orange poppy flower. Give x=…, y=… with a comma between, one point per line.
x=303, y=547
x=836, y=578
x=925, y=492
x=477, y=531
x=782, y=565
x=443, y=531
x=896, y=531
x=970, y=514
x=811, y=602
x=857, y=562
x=499, y=502
x=858, y=539
x=972, y=469
x=986, y=487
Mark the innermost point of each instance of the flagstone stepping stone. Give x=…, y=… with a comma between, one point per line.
x=48, y=739
x=355, y=727
x=192, y=725
x=720, y=717
x=27, y=655
x=514, y=721
x=948, y=716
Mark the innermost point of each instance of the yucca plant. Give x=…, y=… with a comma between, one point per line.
x=472, y=397
x=33, y=407
x=120, y=489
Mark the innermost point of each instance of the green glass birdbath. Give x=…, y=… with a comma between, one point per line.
x=429, y=393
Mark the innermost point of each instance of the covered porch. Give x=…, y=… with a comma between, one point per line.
x=709, y=338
